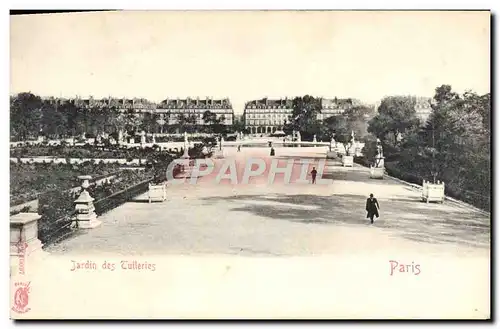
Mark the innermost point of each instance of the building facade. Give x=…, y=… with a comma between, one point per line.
x=169, y=112
x=423, y=108
x=266, y=116
x=191, y=111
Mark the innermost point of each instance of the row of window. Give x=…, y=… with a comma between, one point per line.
x=273, y=115
x=286, y=116
x=194, y=110
x=283, y=110
x=264, y=122
x=198, y=122
x=287, y=109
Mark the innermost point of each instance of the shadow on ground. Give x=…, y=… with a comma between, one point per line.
x=407, y=218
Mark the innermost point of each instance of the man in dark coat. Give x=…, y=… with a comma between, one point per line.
x=313, y=174
x=372, y=208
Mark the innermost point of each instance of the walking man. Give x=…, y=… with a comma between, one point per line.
x=313, y=174
x=372, y=208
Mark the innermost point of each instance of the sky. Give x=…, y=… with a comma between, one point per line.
x=249, y=55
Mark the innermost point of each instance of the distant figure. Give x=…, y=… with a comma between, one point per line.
x=272, y=151
x=372, y=208
x=239, y=148
x=313, y=174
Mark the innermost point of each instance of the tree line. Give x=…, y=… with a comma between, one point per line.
x=452, y=145
x=31, y=116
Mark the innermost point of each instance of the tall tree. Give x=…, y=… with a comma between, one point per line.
x=305, y=115
x=396, y=114
x=25, y=115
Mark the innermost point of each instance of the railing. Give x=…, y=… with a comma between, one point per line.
x=116, y=199
x=50, y=232
x=18, y=204
x=57, y=221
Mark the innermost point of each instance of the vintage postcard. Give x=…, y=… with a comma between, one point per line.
x=250, y=165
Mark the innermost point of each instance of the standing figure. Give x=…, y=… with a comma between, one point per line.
x=372, y=208
x=313, y=174
x=272, y=151
x=239, y=148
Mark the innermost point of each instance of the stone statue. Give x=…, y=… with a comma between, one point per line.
x=379, y=158
x=333, y=144
x=314, y=139
x=143, y=137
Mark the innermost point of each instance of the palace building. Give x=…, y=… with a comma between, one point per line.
x=172, y=110
x=266, y=116
x=169, y=112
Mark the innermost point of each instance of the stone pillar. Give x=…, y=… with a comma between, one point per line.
x=24, y=241
x=24, y=233
x=84, y=206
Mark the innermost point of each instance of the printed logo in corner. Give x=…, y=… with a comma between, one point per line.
x=21, y=297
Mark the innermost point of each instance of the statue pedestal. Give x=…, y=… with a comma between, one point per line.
x=331, y=155
x=377, y=172
x=84, y=207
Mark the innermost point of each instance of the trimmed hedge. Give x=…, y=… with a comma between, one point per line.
x=469, y=197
